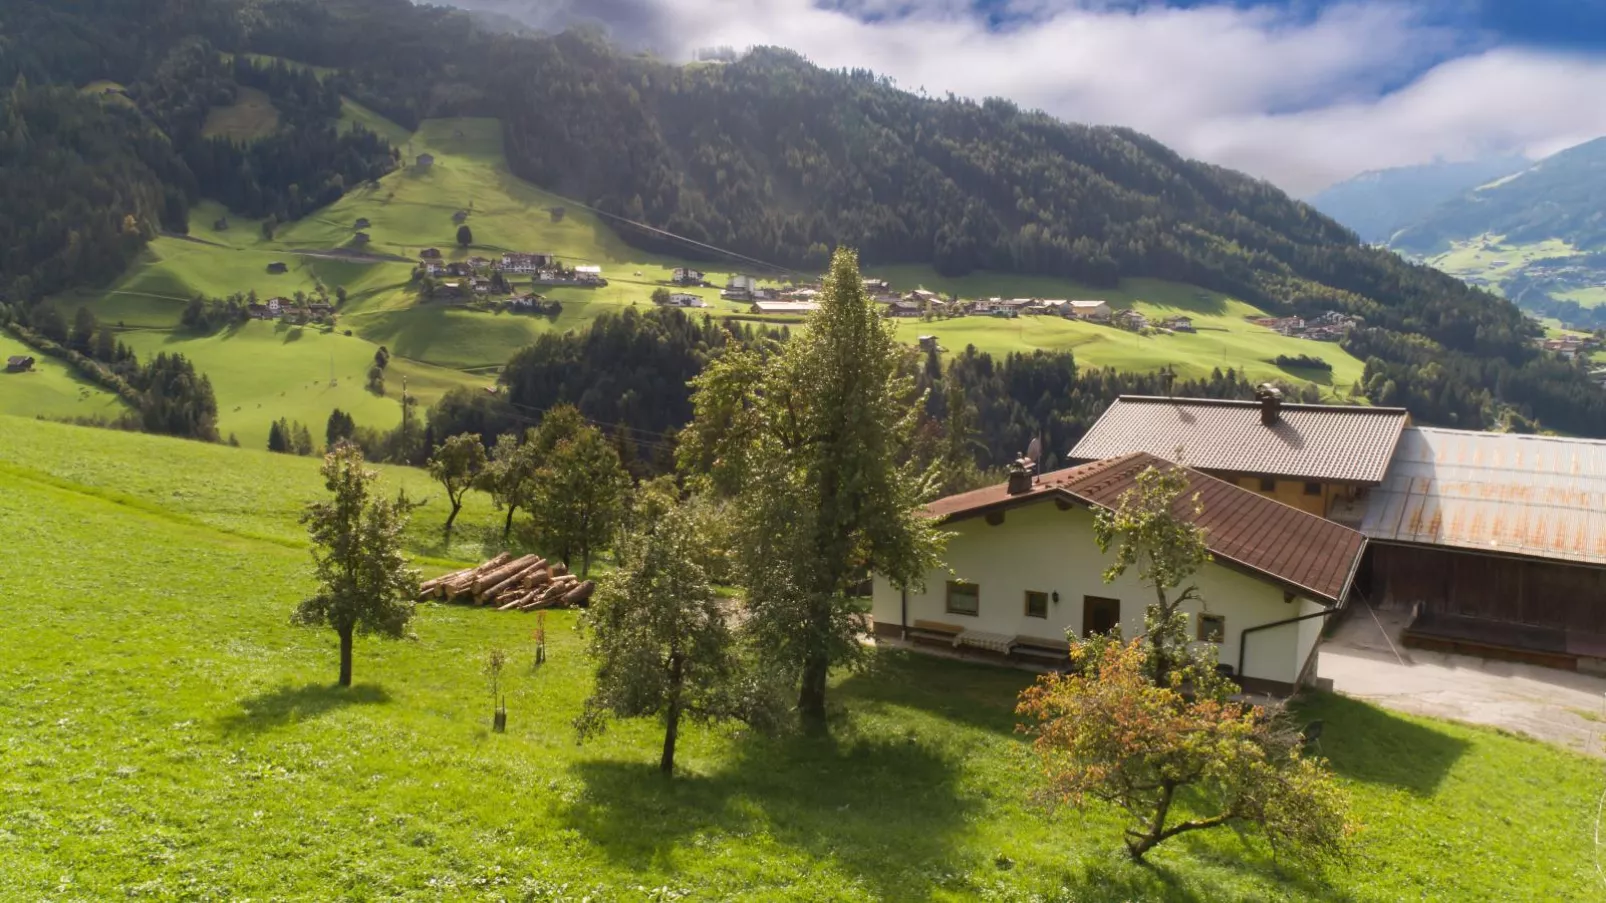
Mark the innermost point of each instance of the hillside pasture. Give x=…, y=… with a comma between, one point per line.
x=51, y=389
x=262, y=371
x=171, y=735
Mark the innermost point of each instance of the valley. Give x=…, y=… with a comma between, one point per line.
x=263, y=371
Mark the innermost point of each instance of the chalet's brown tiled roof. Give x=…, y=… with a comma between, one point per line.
x=1344, y=443
x=1312, y=555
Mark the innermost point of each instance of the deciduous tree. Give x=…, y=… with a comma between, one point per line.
x=457, y=466
x=662, y=643
x=579, y=495
x=364, y=583
x=509, y=475
x=1167, y=548
x=812, y=444
x=1177, y=765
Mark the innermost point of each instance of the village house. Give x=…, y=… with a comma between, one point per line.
x=479, y=263
x=1494, y=544
x=480, y=285
x=1022, y=570
x=277, y=306
x=742, y=283
x=430, y=254
x=735, y=294
x=685, y=299
x=1177, y=324
x=1129, y=319
x=905, y=308
x=435, y=268
x=360, y=224
x=320, y=309
x=525, y=264
x=1319, y=458
x=589, y=275
x=1085, y=309
x=876, y=286
x=686, y=276
x=19, y=363
x=425, y=161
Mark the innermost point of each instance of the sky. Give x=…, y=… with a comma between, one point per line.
x=1303, y=93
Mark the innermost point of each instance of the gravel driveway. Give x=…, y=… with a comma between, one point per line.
x=1364, y=659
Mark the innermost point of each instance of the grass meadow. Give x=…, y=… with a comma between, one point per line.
x=51, y=388
x=167, y=734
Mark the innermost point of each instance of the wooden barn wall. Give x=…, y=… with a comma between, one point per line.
x=1484, y=586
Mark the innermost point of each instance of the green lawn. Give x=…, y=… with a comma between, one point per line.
x=51, y=388
x=169, y=735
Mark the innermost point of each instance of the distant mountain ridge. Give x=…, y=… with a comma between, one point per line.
x=1561, y=197
x=1378, y=203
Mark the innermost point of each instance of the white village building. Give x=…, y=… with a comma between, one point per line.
x=1022, y=569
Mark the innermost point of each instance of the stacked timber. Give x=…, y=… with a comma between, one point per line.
x=506, y=583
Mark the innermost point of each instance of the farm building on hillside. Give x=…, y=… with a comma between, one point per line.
x=430, y=254
x=1022, y=568
x=1497, y=544
x=785, y=307
x=1318, y=458
x=1089, y=309
x=278, y=267
x=425, y=161
x=19, y=363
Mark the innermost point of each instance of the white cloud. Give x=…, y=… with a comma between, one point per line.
x=1301, y=99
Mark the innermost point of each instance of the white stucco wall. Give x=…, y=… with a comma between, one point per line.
x=1040, y=547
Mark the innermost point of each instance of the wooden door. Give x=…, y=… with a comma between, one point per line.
x=1099, y=615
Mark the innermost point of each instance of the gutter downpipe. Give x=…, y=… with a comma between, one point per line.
x=903, y=614
x=1243, y=636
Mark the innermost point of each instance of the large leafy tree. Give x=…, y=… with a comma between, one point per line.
x=364, y=583
x=811, y=441
x=579, y=495
x=662, y=642
x=1177, y=764
x=1167, y=548
x=457, y=466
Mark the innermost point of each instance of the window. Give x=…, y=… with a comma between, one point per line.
x=1313, y=489
x=1099, y=616
x=963, y=598
x=1212, y=628
x=1268, y=484
x=1036, y=604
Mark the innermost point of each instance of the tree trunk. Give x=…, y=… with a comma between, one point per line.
x=666, y=763
x=507, y=526
x=811, y=698
x=457, y=505
x=345, y=657
x=1137, y=844
x=585, y=561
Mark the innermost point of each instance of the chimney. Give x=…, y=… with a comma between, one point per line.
x=1021, y=476
x=1271, y=400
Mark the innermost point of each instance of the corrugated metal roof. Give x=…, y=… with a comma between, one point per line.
x=1300, y=550
x=1348, y=443
x=1541, y=496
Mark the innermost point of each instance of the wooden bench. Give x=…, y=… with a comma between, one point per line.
x=934, y=632
x=1001, y=643
x=1041, y=649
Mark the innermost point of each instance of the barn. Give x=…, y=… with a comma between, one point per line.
x=1495, y=544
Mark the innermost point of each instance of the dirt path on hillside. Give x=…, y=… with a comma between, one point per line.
x=1365, y=659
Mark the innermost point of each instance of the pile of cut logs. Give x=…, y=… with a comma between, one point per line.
x=511, y=584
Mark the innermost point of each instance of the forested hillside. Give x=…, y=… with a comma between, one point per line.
x=775, y=158
x=1377, y=204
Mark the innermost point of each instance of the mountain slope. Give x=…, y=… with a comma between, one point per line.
x=1379, y=203
x=1561, y=197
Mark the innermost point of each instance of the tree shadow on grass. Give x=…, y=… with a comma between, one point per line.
x=1363, y=742
x=887, y=812
x=976, y=694
x=285, y=705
